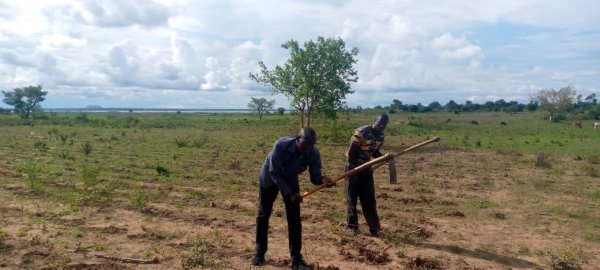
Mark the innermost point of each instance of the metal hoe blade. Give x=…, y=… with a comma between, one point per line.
x=392, y=168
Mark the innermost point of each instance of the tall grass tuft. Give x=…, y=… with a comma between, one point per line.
x=140, y=198
x=543, y=160
x=86, y=148
x=197, y=255
x=593, y=159
x=568, y=259
x=63, y=138
x=33, y=171
x=41, y=146
x=181, y=143
x=163, y=171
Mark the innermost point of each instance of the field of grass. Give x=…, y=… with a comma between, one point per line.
x=169, y=191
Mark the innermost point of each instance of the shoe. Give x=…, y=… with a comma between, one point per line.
x=351, y=232
x=301, y=265
x=376, y=233
x=258, y=260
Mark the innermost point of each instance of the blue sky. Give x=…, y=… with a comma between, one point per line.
x=197, y=54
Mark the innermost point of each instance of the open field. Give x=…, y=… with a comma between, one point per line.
x=179, y=192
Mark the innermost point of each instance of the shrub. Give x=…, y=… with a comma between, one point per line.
x=86, y=148
x=140, y=198
x=65, y=155
x=32, y=170
x=568, y=259
x=197, y=253
x=82, y=117
x=280, y=110
x=543, y=160
x=181, y=143
x=593, y=159
x=63, y=138
x=592, y=171
x=201, y=140
x=162, y=170
x=41, y=146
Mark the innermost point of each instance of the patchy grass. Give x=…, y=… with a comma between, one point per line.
x=183, y=188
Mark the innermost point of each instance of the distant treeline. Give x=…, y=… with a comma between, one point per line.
x=586, y=109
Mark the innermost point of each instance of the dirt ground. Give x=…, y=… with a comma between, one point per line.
x=450, y=210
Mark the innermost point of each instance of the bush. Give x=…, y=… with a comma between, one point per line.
x=569, y=259
x=181, y=143
x=41, y=146
x=280, y=111
x=593, y=159
x=86, y=148
x=162, y=170
x=140, y=199
x=197, y=255
x=543, y=160
x=39, y=114
x=592, y=171
x=82, y=117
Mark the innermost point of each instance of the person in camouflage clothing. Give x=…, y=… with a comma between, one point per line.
x=365, y=144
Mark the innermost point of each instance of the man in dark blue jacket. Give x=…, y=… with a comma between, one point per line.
x=290, y=156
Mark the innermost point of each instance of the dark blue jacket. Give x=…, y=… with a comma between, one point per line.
x=285, y=162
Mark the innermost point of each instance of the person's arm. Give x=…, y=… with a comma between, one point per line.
x=377, y=153
x=276, y=169
x=353, y=151
x=315, y=170
x=354, y=148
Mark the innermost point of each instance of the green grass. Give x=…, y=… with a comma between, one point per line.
x=212, y=161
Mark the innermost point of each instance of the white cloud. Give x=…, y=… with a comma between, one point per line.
x=61, y=40
x=537, y=69
x=116, y=13
x=417, y=51
x=449, y=47
x=216, y=77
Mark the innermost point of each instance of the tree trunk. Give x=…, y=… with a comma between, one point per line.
x=301, y=117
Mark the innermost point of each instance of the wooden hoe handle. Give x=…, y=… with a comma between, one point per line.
x=377, y=162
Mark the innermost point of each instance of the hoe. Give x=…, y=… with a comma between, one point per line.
x=376, y=163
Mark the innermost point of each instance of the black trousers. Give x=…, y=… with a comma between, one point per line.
x=361, y=186
x=266, y=199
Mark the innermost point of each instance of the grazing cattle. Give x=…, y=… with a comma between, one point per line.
x=474, y=122
x=596, y=125
x=577, y=124
x=448, y=120
x=502, y=123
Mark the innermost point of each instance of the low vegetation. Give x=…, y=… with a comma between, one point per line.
x=180, y=191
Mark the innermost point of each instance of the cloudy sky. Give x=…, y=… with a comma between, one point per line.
x=197, y=54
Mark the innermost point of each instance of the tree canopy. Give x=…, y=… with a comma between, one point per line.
x=316, y=77
x=555, y=101
x=261, y=105
x=25, y=100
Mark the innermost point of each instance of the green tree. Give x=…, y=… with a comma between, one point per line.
x=280, y=110
x=435, y=106
x=554, y=101
x=26, y=100
x=397, y=105
x=451, y=106
x=316, y=78
x=261, y=105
